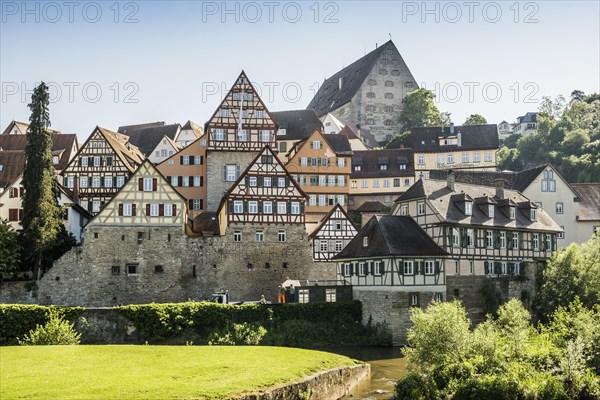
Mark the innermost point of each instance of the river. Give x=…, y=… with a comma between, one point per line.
x=387, y=366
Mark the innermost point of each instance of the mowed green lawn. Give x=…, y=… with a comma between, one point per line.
x=153, y=372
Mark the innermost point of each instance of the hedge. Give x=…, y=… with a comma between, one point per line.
x=16, y=320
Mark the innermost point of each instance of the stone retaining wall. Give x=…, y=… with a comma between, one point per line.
x=326, y=385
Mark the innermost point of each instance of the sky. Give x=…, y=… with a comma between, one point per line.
x=119, y=63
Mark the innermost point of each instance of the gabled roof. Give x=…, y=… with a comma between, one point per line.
x=364, y=135
x=329, y=96
x=60, y=141
x=23, y=126
x=325, y=219
x=13, y=163
x=298, y=124
x=194, y=127
x=512, y=180
x=373, y=207
x=146, y=139
x=473, y=137
x=529, y=117
x=391, y=235
x=339, y=144
x=589, y=207
x=370, y=161
x=440, y=197
x=130, y=128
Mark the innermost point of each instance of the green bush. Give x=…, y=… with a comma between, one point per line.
x=16, y=320
x=238, y=334
x=489, y=388
x=56, y=331
x=415, y=387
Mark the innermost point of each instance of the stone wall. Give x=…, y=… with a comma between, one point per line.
x=18, y=292
x=216, y=186
x=327, y=385
x=172, y=267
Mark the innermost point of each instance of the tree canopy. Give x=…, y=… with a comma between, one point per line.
x=420, y=110
x=475, y=119
x=9, y=249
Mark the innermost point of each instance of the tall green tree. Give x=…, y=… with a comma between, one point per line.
x=9, y=248
x=41, y=213
x=419, y=110
x=475, y=119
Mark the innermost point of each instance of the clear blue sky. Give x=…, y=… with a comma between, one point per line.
x=145, y=61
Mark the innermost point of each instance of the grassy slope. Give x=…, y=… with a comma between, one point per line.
x=152, y=372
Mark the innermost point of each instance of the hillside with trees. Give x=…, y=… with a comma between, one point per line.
x=568, y=136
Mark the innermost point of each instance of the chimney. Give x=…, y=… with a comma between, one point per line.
x=450, y=180
x=499, y=188
x=452, y=127
x=340, y=82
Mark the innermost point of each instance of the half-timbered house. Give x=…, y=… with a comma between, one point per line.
x=485, y=231
x=333, y=233
x=294, y=126
x=186, y=171
x=265, y=193
x=147, y=199
x=237, y=131
x=321, y=166
x=101, y=167
x=188, y=134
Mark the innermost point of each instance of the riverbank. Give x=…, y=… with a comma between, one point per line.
x=158, y=372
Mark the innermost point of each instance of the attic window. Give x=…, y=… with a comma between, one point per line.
x=365, y=241
x=282, y=131
x=511, y=212
x=1, y=167
x=54, y=160
x=491, y=210
x=533, y=214
x=468, y=208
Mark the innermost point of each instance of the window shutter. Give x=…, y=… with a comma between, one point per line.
x=201, y=204
x=65, y=181
x=180, y=160
x=169, y=179
x=191, y=158
x=496, y=239
x=201, y=160
x=237, y=171
x=120, y=209
x=520, y=240
x=354, y=267
x=180, y=181
x=287, y=181
x=147, y=210
x=402, y=268
x=79, y=162
x=245, y=206
x=230, y=206
x=372, y=267
x=522, y=269
x=301, y=207
x=511, y=268
x=154, y=184
x=496, y=268
x=224, y=172
x=140, y=184
x=261, y=181
x=161, y=209
x=201, y=181
x=174, y=209
x=437, y=267
x=190, y=203
x=486, y=267
x=247, y=180
x=133, y=208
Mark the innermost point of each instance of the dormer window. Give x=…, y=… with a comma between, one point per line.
x=365, y=241
x=511, y=212
x=468, y=208
x=533, y=214
x=491, y=210
x=55, y=160
x=383, y=167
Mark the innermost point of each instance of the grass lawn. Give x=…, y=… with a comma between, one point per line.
x=152, y=372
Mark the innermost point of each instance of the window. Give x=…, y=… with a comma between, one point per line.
x=511, y=212
x=238, y=206
x=97, y=161
x=331, y=180
x=321, y=200
x=476, y=157
x=147, y=184
x=370, y=95
x=225, y=113
x=450, y=158
x=471, y=267
x=371, y=121
x=330, y=295
x=55, y=160
x=561, y=235
x=295, y=208
x=376, y=183
x=185, y=181
x=115, y=270
x=316, y=144
x=370, y=108
x=365, y=241
x=421, y=159
x=237, y=236
x=414, y=299
x=267, y=181
x=347, y=270
x=95, y=206
x=470, y=237
x=339, y=246
x=281, y=235
x=533, y=214
x=382, y=71
x=253, y=207
x=267, y=207
x=259, y=235
x=281, y=207
x=219, y=135
x=362, y=269
x=468, y=208
x=283, y=147
x=421, y=208
x=120, y=181
x=429, y=267
x=341, y=181
x=491, y=210
x=404, y=209
x=231, y=172
x=383, y=167
x=84, y=161
x=132, y=269
x=465, y=157
x=515, y=240
x=408, y=268
x=559, y=208
x=95, y=181
x=154, y=210
x=386, y=183
x=252, y=180
x=548, y=242
x=455, y=237
x=265, y=135
x=198, y=181
x=198, y=160
x=365, y=183
x=185, y=160
x=303, y=296
x=324, y=248
x=281, y=182
x=535, y=241
x=489, y=239
x=487, y=156
x=388, y=96
x=108, y=181
x=159, y=269
x=406, y=181
x=378, y=268
x=127, y=209
x=502, y=240
x=242, y=135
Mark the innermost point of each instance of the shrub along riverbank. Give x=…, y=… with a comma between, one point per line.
x=308, y=325
x=154, y=372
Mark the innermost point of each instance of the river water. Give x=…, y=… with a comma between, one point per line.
x=387, y=366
